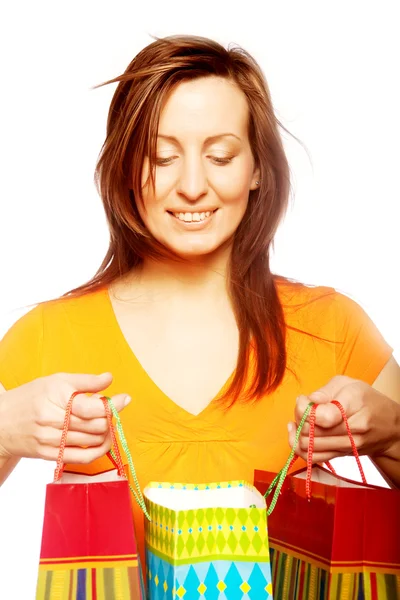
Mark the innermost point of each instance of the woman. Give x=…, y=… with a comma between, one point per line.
x=184, y=314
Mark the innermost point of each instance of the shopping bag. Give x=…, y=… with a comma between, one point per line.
x=207, y=542
x=88, y=549
x=332, y=538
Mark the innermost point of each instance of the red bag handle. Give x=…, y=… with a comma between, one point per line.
x=312, y=440
x=114, y=444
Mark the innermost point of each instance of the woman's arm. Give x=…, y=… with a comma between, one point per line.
x=388, y=383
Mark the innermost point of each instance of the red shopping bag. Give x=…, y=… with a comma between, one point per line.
x=332, y=538
x=88, y=549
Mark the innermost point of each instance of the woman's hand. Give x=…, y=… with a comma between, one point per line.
x=374, y=421
x=32, y=417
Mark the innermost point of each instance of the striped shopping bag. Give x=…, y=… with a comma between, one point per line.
x=88, y=549
x=331, y=538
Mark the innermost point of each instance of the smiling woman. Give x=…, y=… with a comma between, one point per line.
x=184, y=311
x=205, y=180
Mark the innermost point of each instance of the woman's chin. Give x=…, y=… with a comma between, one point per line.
x=194, y=251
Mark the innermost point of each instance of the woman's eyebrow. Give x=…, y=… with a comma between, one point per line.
x=209, y=140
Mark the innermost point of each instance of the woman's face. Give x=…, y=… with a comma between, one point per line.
x=205, y=168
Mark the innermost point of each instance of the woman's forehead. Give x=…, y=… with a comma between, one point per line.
x=207, y=106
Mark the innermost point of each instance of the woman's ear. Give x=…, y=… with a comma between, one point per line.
x=255, y=180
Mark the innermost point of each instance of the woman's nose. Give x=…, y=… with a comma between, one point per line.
x=192, y=182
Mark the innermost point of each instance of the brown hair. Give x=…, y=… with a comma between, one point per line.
x=131, y=135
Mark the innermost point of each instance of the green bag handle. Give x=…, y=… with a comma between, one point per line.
x=281, y=476
x=137, y=493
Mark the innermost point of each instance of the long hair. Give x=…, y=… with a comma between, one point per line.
x=132, y=135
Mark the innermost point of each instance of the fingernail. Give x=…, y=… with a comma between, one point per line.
x=127, y=400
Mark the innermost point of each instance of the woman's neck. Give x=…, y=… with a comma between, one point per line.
x=205, y=277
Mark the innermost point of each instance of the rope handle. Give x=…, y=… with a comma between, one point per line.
x=114, y=454
x=281, y=476
x=279, y=479
x=137, y=493
x=312, y=440
x=114, y=444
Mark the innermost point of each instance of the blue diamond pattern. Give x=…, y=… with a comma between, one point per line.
x=233, y=579
x=257, y=581
x=191, y=582
x=211, y=580
x=257, y=575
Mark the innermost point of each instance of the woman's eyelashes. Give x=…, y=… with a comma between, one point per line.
x=217, y=160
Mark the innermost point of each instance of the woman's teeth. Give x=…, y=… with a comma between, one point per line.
x=189, y=217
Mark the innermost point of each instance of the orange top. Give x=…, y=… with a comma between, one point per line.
x=167, y=443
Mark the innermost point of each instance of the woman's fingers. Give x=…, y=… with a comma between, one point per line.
x=325, y=447
x=339, y=444
x=47, y=436
x=327, y=415
x=88, y=413
x=74, y=454
x=338, y=430
x=92, y=407
x=93, y=426
x=88, y=432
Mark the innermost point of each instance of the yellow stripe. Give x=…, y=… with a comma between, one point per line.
x=74, y=583
x=286, y=579
x=88, y=585
x=88, y=565
x=100, y=583
x=312, y=586
x=333, y=586
x=345, y=591
x=118, y=585
x=57, y=585
x=41, y=585
x=125, y=582
x=367, y=587
x=381, y=586
x=83, y=558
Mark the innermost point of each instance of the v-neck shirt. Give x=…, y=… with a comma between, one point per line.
x=327, y=334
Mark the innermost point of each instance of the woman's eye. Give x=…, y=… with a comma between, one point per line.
x=216, y=159
x=164, y=161
x=221, y=161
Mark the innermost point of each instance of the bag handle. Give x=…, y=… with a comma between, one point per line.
x=279, y=479
x=312, y=440
x=60, y=459
x=138, y=492
x=114, y=454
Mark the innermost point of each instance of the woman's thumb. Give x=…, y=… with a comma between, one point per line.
x=88, y=383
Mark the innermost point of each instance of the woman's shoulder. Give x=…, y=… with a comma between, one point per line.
x=57, y=313
x=316, y=304
x=296, y=295
x=86, y=305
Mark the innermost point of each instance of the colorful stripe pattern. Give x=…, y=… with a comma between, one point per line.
x=297, y=579
x=208, y=580
x=186, y=535
x=101, y=581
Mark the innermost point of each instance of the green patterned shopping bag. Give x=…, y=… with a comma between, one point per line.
x=207, y=541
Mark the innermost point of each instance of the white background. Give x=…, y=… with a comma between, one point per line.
x=333, y=71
